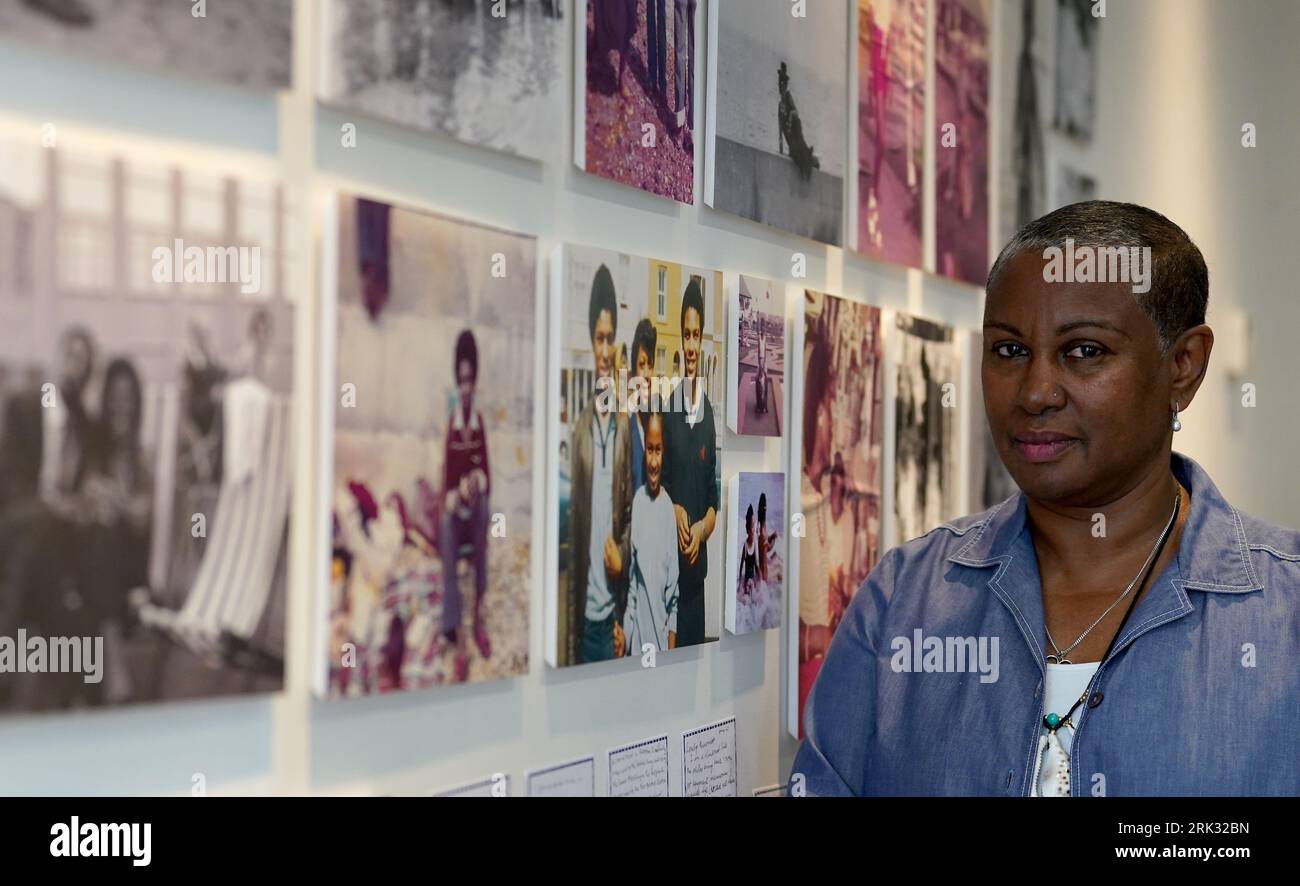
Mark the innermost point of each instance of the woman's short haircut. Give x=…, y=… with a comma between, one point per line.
x=1180, y=283
x=602, y=299
x=692, y=298
x=467, y=351
x=644, y=338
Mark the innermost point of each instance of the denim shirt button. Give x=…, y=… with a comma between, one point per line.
x=1095, y=700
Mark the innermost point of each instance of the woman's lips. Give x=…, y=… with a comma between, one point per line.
x=1043, y=450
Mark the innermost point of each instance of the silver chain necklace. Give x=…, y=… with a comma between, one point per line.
x=1058, y=655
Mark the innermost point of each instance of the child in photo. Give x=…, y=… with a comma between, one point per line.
x=651, y=614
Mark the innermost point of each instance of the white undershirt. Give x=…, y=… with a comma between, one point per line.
x=1064, y=684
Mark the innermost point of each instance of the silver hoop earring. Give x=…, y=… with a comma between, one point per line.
x=1176, y=424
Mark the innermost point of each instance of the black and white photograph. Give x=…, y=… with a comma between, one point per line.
x=926, y=465
x=1076, y=67
x=239, y=42
x=481, y=72
x=1073, y=185
x=778, y=138
x=145, y=438
x=987, y=481
x=1023, y=163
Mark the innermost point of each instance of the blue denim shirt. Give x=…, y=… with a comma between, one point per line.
x=1200, y=695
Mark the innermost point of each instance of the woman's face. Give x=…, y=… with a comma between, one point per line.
x=1078, y=365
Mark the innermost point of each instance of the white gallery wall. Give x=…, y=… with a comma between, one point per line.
x=1177, y=80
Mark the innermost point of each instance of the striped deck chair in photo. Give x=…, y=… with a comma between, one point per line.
x=235, y=576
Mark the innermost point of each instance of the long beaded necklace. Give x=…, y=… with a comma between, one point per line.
x=1054, y=762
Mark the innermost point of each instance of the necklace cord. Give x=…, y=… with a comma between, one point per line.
x=1164, y=537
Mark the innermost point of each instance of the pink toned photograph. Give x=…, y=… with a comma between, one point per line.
x=637, y=99
x=841, y=472
x=891, y=133
x=961, y=58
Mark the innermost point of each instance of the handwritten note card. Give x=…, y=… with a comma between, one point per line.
x=639, y=770
x=709, y=760
x=573, y=779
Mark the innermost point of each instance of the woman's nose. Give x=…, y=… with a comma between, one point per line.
x=1040, y=389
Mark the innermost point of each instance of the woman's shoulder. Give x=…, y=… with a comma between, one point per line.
x=1274, y=549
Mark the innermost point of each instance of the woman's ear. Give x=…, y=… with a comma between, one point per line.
x=1190, y=358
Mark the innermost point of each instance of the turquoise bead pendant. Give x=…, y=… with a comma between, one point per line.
x=1051, y=721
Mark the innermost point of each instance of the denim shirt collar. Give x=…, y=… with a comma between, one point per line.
x=1212, y=556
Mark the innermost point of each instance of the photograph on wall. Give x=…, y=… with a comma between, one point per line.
x=1023, y=162
x=239, y=42
x=756, y=356
x=778, y=137
x=634, y=80
x=925, y=427
x=755, y=589
x=484, y=73
x=433, y=451
x=841, y=474
x=891, y=128
x=961, y=119
x=641, y=353
x=1077, y=27
x=1073, y=185
x=989, y=482
x=146, y=359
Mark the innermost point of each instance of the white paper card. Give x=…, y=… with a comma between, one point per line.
x=496, y=786
x=709, y=760
x=639, y=770
x=576, y=778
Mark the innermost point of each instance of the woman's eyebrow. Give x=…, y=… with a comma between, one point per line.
x=1063, y=328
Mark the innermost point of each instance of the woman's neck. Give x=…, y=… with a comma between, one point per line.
x=1082, y=541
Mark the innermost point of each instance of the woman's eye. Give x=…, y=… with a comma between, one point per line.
x=1008, y=349
x=1084, y=352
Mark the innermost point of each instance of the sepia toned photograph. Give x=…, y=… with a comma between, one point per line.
x=756, y=330
x=841, y=472
x=961, y=78
x=891, y=128
x=432, y=501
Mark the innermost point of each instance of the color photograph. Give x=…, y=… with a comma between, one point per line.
x=635, y=94
x=145, y=440
x=841, y=475
x=756, y=349
x=891, y=128
x=778, y=142
x=433, y=451
x=239, y=42
x=925, y=425
x=642, y=362
x=961, y=116
x=488, y=74
x=756, y=550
